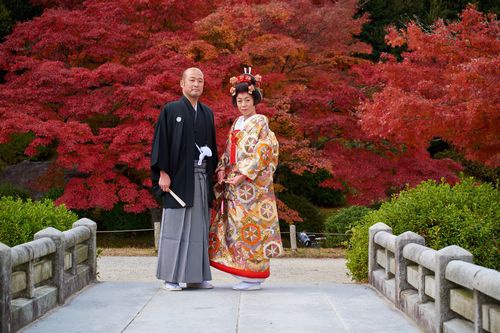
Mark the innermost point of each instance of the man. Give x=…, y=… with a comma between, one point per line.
x=184, y=130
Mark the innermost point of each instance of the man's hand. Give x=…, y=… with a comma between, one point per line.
x=236, y=180
x=220, y=176
x=164, y=181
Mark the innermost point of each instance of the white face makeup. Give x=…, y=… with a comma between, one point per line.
x=244, y=101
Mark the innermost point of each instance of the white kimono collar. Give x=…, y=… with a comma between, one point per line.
x=240, y=123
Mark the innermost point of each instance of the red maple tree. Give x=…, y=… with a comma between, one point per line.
x=447, y=86
x=307, y=49
x=90, y=81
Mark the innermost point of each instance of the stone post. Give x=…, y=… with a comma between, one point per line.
x=58, y=262
x=157, y=228
x=486, y=286
x=442, y=292
x=92, y=256
x=156, y=217
x=372, y=247
x=5, y=276
x=401, y=263
x=293, y=237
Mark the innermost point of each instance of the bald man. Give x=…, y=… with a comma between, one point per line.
x=183, y=160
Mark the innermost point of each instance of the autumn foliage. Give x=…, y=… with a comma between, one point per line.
x=89, y=79
x=447, y=86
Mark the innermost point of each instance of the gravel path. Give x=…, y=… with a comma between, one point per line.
x=283, y=270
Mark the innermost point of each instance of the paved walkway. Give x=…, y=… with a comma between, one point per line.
x=283, y=305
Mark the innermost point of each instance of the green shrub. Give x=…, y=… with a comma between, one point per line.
x=20, y=220
x=9, y=190
x=345, y=219
x=342, y=222
x=466, y=215
x=117, y=218
x=307, y=185
x=472, y=168
x=357, y=251
x=313, y=219
x=54, y=194
x=12, y=152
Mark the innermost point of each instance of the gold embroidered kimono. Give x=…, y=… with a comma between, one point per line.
x=245, y=232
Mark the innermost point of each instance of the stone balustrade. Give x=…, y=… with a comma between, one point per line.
x=38, y=275
x=442, y=291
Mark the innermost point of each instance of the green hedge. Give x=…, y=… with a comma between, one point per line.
x=342, y=222
x=466, y=215
x=20, y=220
x=9, y=190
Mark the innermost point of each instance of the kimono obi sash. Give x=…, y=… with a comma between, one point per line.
x=234, y=145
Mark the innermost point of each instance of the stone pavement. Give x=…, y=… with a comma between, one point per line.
x=281, y=306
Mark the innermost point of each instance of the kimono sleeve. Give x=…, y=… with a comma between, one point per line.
x=214, y=145
x=224, y=159
x=160, y=151
x=258, y=151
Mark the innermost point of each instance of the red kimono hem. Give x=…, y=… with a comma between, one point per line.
x=240, y=272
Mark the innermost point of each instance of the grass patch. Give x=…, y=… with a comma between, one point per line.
x=337, y=252
x=300, y=253
x=129, y=252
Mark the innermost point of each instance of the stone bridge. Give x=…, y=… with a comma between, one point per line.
x=47, y=286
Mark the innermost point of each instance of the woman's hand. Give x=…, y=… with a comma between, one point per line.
x=236, y=180
x=220, y=176
x=164, y=181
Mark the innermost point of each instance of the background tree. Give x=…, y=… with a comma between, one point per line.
x=384, y=13
x=314, y=89
x=92, y=89
x=447, y=86
x=91, y=86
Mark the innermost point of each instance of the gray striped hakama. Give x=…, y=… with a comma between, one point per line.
x=183, y=245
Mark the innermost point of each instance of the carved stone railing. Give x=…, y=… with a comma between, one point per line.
x=442, y=291
x=38, y=275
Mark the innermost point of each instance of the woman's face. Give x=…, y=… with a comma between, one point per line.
x=244, y=101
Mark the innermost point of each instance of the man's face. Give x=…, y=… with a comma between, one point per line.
x=192, y=83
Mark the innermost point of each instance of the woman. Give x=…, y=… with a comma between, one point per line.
x=245, y=232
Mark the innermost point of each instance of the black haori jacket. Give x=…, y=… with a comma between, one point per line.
x=174, y=150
